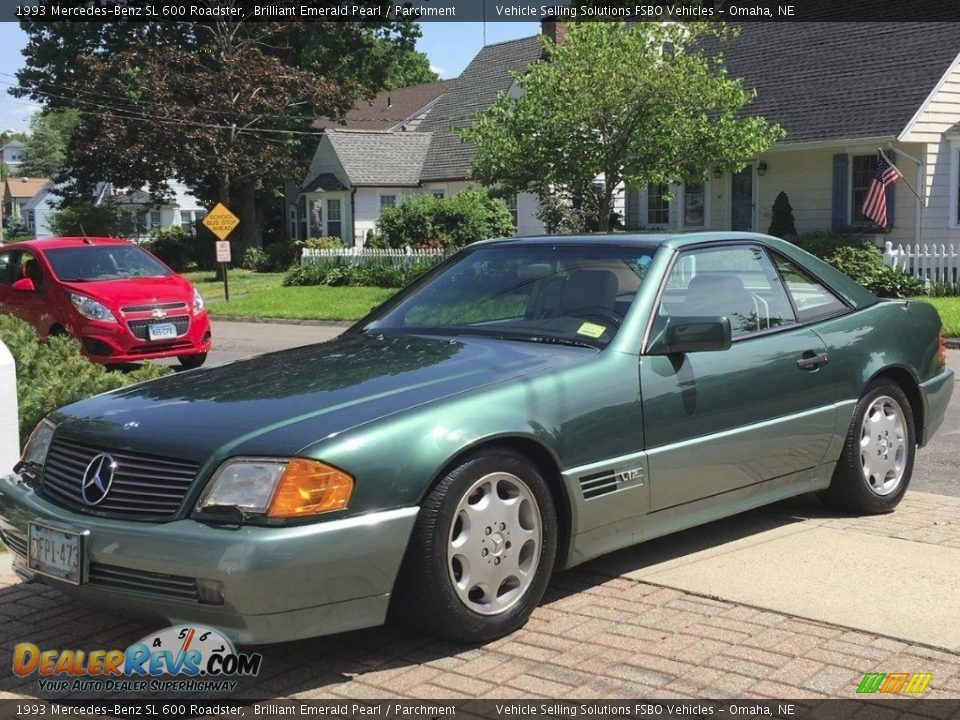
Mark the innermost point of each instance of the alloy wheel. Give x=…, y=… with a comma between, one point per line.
x=883, y=445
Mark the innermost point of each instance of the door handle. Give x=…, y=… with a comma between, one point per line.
x=809, y=360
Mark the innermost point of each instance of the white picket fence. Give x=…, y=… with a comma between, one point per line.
x=937, y=263
x=360, y=256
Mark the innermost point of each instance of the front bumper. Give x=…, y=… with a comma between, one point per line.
x=936, y=393
x=116, y=342
x=278, y=584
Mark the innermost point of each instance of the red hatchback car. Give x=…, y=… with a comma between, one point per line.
x=118, y=300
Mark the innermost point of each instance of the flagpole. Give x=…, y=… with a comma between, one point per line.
x=921, y=200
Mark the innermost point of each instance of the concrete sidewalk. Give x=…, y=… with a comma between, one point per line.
x=723, y=610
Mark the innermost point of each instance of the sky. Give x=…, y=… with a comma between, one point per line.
x=449, y=47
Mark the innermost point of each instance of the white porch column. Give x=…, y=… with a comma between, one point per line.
x=9, y=432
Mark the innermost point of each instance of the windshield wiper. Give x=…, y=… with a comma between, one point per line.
x=550, y=340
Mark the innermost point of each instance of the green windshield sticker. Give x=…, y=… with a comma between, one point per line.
x=591, y=330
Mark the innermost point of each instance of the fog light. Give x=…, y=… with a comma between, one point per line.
x=211, y=592
x=97, y=347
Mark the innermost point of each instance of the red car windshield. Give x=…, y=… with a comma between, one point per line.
x=91, y=263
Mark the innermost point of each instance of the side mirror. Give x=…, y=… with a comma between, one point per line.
x=24, y=285
x=692, y=334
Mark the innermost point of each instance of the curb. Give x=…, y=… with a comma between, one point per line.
x=282, y=321
x=952, y=343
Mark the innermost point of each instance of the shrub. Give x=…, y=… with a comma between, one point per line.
x=17, y=230
x=374, y=241
x=454, y=221
x=254, y=259
x=865, y=265
x=825, y=243
x=782, y=224
x=53, y=374
x=376, y=274
x=176, y=248
x=281, y=256
x=328, y=242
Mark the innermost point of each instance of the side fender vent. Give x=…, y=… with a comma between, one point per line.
x=598, y=484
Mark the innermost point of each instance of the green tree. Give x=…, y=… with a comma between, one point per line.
x=45, y=149
x=410, y=68
x=86, y=218
x=226, y=107
x=637, y=104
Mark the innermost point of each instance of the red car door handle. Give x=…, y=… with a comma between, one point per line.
x=811, y=360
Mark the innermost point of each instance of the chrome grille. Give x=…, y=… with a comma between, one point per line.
x=141, y=581
x=154, y=306
x=144, y=486
x=140, y=328
x=16, y=542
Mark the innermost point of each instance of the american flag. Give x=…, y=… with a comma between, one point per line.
x=875, y=202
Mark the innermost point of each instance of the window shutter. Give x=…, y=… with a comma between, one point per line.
x=633, y=208
x=840, y=194
x=891, y=192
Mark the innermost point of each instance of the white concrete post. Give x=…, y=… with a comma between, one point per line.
x=9, y=427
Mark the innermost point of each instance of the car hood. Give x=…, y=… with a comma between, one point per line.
x=279, y=403
x=136, y=291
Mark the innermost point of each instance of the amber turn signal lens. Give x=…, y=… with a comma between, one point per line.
x=942, y=349
x=308, y=487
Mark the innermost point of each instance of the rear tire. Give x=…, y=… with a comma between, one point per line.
x=481, y=552
x=189, y=362
x=875, y=467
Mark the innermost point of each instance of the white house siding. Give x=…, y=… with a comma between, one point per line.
x=941, y=150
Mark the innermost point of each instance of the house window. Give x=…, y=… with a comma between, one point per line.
x=513, y=206
x=31, y=220
x=387, y=201
x=293, y=223
x=956, y=183
x=188, y=220
x=154, y=219
x=863, y=169
x=334, y=224
x=438, y=194
x=658, y=207
x=694, y=204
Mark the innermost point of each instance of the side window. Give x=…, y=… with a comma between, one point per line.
x=29, y=267
x=812, y=300
x=6, y=276
x=738, y=282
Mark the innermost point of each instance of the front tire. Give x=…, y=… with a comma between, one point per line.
x=482, y=550
x=876, y=465
x=189, y=362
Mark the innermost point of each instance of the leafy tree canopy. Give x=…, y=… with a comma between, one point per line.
x=634, y=104
x=45, y=148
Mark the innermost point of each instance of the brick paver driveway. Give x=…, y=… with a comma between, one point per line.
x=595, y=635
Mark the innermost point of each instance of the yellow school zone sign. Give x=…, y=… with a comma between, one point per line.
x=220, y=221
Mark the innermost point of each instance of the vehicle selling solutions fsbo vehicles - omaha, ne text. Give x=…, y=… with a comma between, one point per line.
x=525, y=406
x=118, y=300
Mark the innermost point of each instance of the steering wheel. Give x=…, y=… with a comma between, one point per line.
x=596, y=313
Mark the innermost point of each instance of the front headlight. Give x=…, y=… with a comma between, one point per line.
x=35, y=451
x=91, y=309
x=277, y=488
x=197, y=301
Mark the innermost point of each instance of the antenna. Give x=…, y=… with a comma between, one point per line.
x=84, y=233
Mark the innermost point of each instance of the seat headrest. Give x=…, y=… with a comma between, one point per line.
x=589, y=288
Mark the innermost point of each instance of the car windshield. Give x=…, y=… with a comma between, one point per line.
x=570, y=295
x=91, y=263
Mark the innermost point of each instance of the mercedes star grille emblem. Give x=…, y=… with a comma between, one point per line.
x=97, y=478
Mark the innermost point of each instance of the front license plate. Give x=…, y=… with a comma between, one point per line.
x=56, y=552
x=163, y=331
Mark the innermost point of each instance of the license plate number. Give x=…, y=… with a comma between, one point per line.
x=163, y=331
x=55, y=552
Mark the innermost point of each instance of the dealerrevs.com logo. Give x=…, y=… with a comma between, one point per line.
x=184, y=658
x=895, y=683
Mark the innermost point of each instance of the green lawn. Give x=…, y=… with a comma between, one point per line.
x=949, y=309
x=242, y=282
x=304, y=303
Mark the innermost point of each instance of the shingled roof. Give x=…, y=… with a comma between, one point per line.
x=838, y=81
x=487, y=75
x=376, y=157
x=389, y=108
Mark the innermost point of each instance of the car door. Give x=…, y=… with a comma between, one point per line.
x=762, y=409
x=6, y=280
x=30, y=306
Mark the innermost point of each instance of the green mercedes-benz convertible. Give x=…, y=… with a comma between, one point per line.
x=527, y=405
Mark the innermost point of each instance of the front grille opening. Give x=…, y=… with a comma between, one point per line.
x=141, y=328
x=145, y=487
x=15, y=541
x=175, y=587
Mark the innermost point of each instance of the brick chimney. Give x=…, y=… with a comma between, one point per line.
x=554, y=29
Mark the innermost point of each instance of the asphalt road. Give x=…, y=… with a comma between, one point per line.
x=937, y=467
